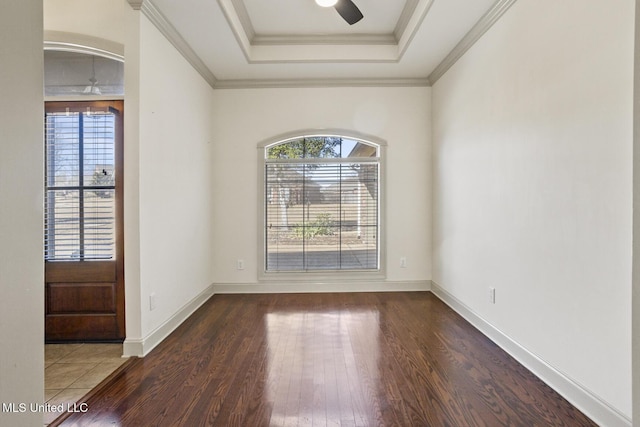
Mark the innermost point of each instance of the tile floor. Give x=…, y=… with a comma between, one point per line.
x=72, y=370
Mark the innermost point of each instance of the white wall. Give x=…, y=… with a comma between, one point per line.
x=96, y=18
x=532, y=132
x=636, y=224
x=21, y=210
x=168, y=196
x=244, y=118
x=175, y=193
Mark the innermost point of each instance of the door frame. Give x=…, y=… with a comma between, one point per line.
x=58, y=271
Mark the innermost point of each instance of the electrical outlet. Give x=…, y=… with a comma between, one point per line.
x=152, y=301
x=403, y=262
x=492, y=295
x=240, y=264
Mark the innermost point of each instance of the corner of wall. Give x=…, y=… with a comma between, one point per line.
x=574, y=392
x=140, y=347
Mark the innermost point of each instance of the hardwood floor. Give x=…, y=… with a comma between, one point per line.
x=366, y=359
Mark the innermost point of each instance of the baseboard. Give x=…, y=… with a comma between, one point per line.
x=594, y=407
x=306, y=287
x=583, y=399
x=142, y=347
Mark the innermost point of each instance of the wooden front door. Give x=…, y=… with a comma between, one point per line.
x=84, y=257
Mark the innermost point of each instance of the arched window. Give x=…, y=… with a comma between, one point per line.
x=321, y=205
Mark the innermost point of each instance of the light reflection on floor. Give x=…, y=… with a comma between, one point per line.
x=323, y=358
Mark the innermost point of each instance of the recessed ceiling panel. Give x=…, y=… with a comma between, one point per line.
x=305, y=17
x=296, y=42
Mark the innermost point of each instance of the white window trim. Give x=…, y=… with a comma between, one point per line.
x=332, y=276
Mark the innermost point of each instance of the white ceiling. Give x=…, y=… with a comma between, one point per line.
x=304, y=17
x=254, y=43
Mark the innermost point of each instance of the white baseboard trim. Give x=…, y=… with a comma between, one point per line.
x=306, y=287
x=140, y=347
x=579, y=396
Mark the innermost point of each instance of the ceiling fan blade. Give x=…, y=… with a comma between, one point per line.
x=349, y=11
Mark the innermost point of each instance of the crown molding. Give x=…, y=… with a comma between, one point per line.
x=149, y=10
x=135, y=4
x=319, y=83
x=237, y=25
x=488, y=19
x=244, y=19
x=323, y=53
x=418, y=14
x=258, y=48
x=405, y=17
x=319, y=39
x=380, y=48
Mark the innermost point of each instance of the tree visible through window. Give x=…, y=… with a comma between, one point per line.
x=321, y=205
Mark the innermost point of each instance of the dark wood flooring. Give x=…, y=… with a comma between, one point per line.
x=365, y=359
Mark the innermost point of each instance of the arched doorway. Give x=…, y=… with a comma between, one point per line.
x=84, y=256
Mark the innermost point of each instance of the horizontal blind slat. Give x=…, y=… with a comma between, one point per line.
x=79, y=204
x=321, y=216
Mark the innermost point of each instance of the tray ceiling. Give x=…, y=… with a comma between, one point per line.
x=258, y=43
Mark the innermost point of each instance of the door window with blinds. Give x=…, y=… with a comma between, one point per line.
x=321, y=205
x=80, y=180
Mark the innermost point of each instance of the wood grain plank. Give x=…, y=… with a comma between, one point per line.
x=375, y=359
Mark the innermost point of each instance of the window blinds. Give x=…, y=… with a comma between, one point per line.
x=80, y=186
x=321, y=214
